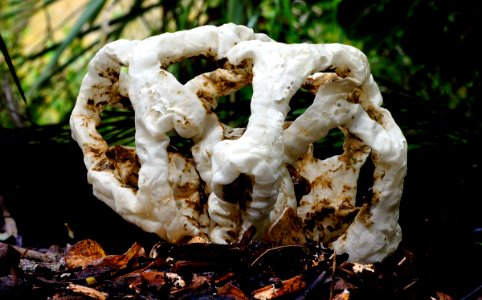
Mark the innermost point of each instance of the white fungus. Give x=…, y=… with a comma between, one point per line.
x=243, y=177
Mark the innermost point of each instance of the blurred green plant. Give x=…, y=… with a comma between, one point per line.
x=51, y=66
x=407, y=58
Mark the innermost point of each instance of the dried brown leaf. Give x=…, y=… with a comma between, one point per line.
x=120, y=261
x=154, y=278
x=345, y=295
x=198, y=281
x=83, y=253
x=443, y=296
x=232, y=291
x=286, y=230
x=341, y=284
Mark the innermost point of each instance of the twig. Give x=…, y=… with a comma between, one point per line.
x=288, y=286
x=332, y=286
x=319, y=280
x=255, y=262
x=34, y=255
x=473, y=293
x=90, y=292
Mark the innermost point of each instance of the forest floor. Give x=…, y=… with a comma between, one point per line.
x=249, y=270
x=46, y=192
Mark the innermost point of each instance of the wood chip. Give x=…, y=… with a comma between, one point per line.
x=90, y=292
x=288, y=286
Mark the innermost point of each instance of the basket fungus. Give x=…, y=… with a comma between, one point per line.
x=236, y=178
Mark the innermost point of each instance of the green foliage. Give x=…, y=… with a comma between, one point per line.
x=417, y=63
x=420, y=45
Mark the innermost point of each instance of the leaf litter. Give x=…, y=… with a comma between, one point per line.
x=246, y=270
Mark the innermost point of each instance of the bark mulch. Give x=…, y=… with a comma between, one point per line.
x=248, y=270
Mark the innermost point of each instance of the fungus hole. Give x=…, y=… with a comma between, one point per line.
x=330, y=145
x=299, y=103
x=117, y=126
x=239, y=191
x=188, y=68
x=179, y=144
x=234, y=109
x=365, y=183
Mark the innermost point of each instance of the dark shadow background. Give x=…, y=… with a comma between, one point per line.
x=46, y=189
x=441, y=214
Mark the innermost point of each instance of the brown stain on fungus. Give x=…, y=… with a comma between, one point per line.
x=304, y=131
x=324, y=181
x=96, y=106
x=374, y=114
x=312, y=84
x=126, y=163
x=120, y=154
x=343, y=72
x=364, y=216
x=330, y=222
x=309, y=84
x=379, y=175
x=207, y=100
x=354, y=151
x=94, y=151
x=185, y=190
x=287, y=124
x=346, y=200
x=354, y=96
x=346, y=188
x=110, y=74
x=101, y=104
x=375, y=198
x=224, y=84
x=346, y=204
x=325, y=212
x=104, y=165
x=97, y=137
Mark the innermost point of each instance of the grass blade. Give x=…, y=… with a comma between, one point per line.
x=88, y=15
x=11, y=68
